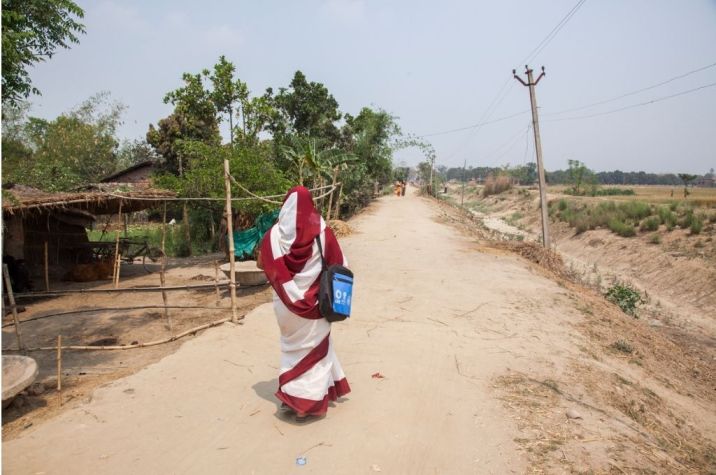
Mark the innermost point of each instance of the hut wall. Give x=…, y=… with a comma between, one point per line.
x=65, y=242
x=13, y=237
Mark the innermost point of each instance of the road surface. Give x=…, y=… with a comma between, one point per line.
x=437, y=318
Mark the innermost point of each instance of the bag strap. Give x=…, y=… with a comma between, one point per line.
x=320, y=251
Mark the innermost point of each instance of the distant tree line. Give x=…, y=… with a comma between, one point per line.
x=527, y=175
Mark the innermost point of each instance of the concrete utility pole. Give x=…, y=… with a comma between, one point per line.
x=462, y=195
x=531, y=83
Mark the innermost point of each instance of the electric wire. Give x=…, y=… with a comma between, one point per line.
x=641, y=104
x=606, y=101
x=468, y=127
x=552, y=34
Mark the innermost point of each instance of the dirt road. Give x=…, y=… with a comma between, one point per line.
x=439, y=320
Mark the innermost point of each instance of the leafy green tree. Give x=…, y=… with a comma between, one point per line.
x=578, y=175
x=194, y=118
x=31, y=31
x=307, y=109
x=227, y=92
x=74, y=149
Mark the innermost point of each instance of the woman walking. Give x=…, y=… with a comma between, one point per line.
x=310, y=374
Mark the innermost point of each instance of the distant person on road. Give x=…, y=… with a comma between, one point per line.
x=310, y=374
x=404, y=185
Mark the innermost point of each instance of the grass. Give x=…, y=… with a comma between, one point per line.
x=658, y=194
x=624, y=347
x=175, y=242
x=623, y=217
x=650, y=224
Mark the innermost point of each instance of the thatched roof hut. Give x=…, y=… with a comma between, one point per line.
x=97, y=199
x=33, y=219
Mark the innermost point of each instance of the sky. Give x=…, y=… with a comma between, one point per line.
x=435, y=66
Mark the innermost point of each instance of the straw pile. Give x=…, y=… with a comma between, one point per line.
x=340, y=228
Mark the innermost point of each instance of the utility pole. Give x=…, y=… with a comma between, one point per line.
x=531, y=83
x=462, y=195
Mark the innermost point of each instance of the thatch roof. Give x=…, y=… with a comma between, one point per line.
x=97, y=199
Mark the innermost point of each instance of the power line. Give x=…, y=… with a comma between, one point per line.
x=460, y=129
x=605, y=101
x=641, y=104
x=550, y=36
x=504, y=90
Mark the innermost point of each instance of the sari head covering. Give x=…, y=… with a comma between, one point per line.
x=291, y=259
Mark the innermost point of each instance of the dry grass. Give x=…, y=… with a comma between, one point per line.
x=496, y=185
x=655, y=194
x=340, y=228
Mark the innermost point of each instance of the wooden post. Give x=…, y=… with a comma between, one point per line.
x=47, y=272
x=230, y=235
x=59, y=369
x=162, y=277
x=216, y=282
x=187, y=228
x=117, y=257
x=338, y=203
x=333, y=190
x=11, y=299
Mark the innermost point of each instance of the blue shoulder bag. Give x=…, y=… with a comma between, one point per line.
x=336, y=290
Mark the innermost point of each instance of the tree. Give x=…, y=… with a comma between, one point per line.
x=31, y=31
x=307, y=109
x=194, y=118
x=687, y=179
x=76, y=148
x=227, y=92
x=578, y=175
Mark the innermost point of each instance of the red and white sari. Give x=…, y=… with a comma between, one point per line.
x=311, y=375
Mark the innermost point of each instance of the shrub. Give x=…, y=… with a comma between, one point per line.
x=686, y=220
x=626, y=297
x=613, y=192
x=650, y=224
x=636, y=210
x=622, y=346
x=668, y=218
x=582, y=225
x=495, y=186
x=621, y=228
x=655, y=239
x=696, y=225
x=563, y=205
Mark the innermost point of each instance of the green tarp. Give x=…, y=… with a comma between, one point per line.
x=245, y=241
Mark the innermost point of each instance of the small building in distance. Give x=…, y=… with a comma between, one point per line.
x=141, y=174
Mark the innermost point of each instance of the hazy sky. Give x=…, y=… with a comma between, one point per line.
x=435, y=65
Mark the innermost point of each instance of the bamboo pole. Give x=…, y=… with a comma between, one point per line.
x=116, y=309
x=230, y=234
x=55, y=293
x=117, y=257
x=137, y=345
x=333, y=190
x=11, y=299
x=47, y=271
x=162, y=277
x=216, y=282
x=59, y=369
x=338, y=203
